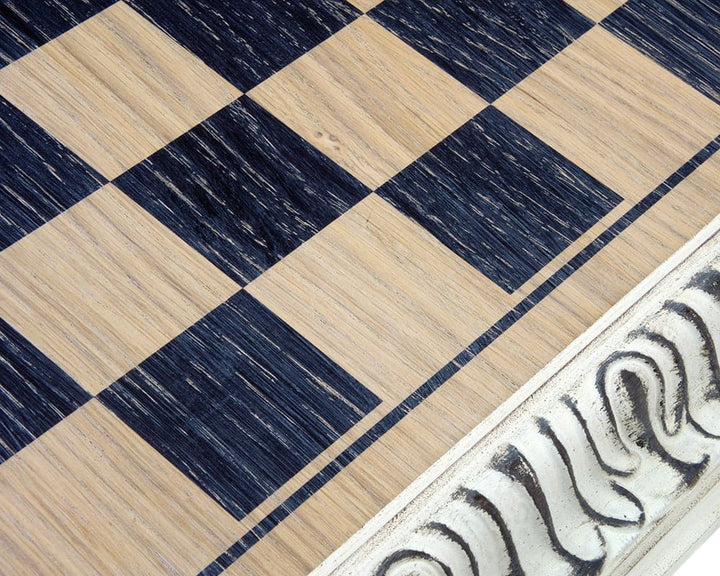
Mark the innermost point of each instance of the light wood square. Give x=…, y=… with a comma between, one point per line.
x=382, y=297
x=596, y=10
x=614, y=112
x=114, y=89
x=365, y=5
x=104, y=285
x=368, y=101
x=91, y=497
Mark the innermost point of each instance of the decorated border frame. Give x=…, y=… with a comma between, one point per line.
x=606, y=462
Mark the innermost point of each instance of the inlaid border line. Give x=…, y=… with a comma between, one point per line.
x=302, y=494
x=660, y=337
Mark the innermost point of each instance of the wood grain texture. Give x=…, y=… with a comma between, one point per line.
x=92, y=498
x=104, y=285
x=382, y=297
x=34, y=393
x=242, y=189
x=28, y=24
x=240, y=403
x=363, y=486
x=574, y=250
x=365, y=5
x=614, y=112
x=248, y=41
x=585, y=471
x=297, y=298
x=114, y=89
x=681, y=35
x=595, y=287
x=596, y=10
x=503, y=200
x=368, y=101
x=39, y=177
x=488, y=46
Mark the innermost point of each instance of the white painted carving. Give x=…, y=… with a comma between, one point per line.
x=586, y=468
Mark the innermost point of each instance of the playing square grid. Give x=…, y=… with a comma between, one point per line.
x=261, y=263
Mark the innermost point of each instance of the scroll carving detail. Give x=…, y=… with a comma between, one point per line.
x=577, y=483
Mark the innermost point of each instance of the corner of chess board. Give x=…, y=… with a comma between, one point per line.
x=606, y=462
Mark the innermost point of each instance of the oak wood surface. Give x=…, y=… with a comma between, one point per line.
x=312, y=260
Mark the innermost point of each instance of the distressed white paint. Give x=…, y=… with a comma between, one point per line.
x=526, y=492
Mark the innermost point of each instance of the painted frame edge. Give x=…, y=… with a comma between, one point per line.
x=661, y=547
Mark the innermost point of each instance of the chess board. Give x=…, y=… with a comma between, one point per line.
x=263, y=262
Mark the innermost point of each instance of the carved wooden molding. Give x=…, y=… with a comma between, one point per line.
x=606, y=463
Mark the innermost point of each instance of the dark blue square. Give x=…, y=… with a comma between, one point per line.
x=39, y=177
x=27, y=24
x=34, y=393
x=487, y=45
x=500, y=198
x=681, y=35
x=239, y=402
x=243, y=189
x=248, y=41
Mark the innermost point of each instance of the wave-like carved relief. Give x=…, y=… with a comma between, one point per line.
x=577, y=484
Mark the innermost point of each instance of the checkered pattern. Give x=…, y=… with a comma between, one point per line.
x=231, y=231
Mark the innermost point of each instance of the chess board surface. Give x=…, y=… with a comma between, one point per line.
x=263, y=262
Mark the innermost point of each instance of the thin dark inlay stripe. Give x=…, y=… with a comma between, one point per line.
x=320, y=479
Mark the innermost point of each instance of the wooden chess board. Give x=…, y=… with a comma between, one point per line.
x=263, y=262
